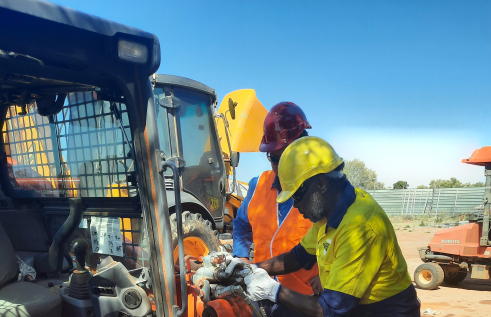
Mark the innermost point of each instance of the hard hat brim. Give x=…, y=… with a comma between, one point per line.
x=272, y=146
x=284, y=196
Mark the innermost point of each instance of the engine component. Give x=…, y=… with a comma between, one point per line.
x=132, y=299
x=223, y=275
x=114, y=292
x=220, y=267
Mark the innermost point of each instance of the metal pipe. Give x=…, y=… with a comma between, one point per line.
x=180, y=238
x=420, y=198
x=408, y=200
x=153, y=195
x=414, y=201
x=486, y=201
x=225, y=125
x=403, y=201
x=455, y=204
x=438, y=202
x=426, y=201
x=438, y=257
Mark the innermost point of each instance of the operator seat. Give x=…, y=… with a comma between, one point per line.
x=22, y=299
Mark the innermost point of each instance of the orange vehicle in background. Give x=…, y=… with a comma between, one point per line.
x=455, y=252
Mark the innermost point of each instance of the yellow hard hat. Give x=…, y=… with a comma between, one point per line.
x=302, y=159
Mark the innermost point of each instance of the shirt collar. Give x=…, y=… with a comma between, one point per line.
x=276, y=183
x=345, y=201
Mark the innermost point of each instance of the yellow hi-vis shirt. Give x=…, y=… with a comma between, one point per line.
x=361, y=257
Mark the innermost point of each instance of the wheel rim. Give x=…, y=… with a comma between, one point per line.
x=193, y=246
x=425, y=276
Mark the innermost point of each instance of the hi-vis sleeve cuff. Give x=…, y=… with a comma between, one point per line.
x=305, y=259
x=336, y=304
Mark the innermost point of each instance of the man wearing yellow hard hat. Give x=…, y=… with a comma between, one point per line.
x=361, y=267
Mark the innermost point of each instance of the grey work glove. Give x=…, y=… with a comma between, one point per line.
x=261, y=286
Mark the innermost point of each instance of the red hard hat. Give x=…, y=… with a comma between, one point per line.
x=283, y=124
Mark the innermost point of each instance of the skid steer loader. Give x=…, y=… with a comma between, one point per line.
x=84, y=214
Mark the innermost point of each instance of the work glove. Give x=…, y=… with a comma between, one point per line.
x=261, y=286
x=234, y=264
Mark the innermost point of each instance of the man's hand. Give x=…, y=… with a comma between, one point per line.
x=316, y=285
x=260, y=286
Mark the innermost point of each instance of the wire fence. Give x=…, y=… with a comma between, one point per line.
x=417, y=202
x=430, y=202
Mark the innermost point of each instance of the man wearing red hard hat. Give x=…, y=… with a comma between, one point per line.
x=275, y=228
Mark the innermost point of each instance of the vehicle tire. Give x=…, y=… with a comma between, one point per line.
x=453, y=277
x=428, y=276
x=209, y=312
x=199, y=237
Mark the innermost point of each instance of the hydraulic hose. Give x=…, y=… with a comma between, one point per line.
x=52, y=261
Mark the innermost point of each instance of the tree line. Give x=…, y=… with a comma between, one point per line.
x=365, y=178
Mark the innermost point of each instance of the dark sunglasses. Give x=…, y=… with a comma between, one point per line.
x=273, y=158
x=302, y=190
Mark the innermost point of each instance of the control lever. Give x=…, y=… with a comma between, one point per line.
x=78, y=282
x=79, y=248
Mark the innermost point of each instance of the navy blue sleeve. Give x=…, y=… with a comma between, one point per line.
x=305, y=259
x=337, y=304
x=242, y=228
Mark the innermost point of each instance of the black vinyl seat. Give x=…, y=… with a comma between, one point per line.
x=22, y=299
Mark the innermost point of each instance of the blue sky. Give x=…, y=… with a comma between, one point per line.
x=402, y=85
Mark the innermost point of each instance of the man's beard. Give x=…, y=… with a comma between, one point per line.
x=315, y=209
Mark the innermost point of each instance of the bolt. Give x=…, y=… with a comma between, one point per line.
x=162, y=155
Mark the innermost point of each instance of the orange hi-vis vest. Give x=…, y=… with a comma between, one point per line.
x=271, y=239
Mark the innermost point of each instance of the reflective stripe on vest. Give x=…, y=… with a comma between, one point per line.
x=271, y=239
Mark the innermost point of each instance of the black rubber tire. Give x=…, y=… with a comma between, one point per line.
x=428, y=276
x=193, y=225
x=209, y=312
x=453, y=278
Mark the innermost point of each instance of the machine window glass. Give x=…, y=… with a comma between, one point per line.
x=200, y=150
x=80, y=152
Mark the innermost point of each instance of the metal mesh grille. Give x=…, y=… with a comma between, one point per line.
x=80, y=152
x=135, y=251
x=433, y=202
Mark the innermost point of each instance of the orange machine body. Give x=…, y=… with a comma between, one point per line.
x=462, y=241
x=480, y=157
